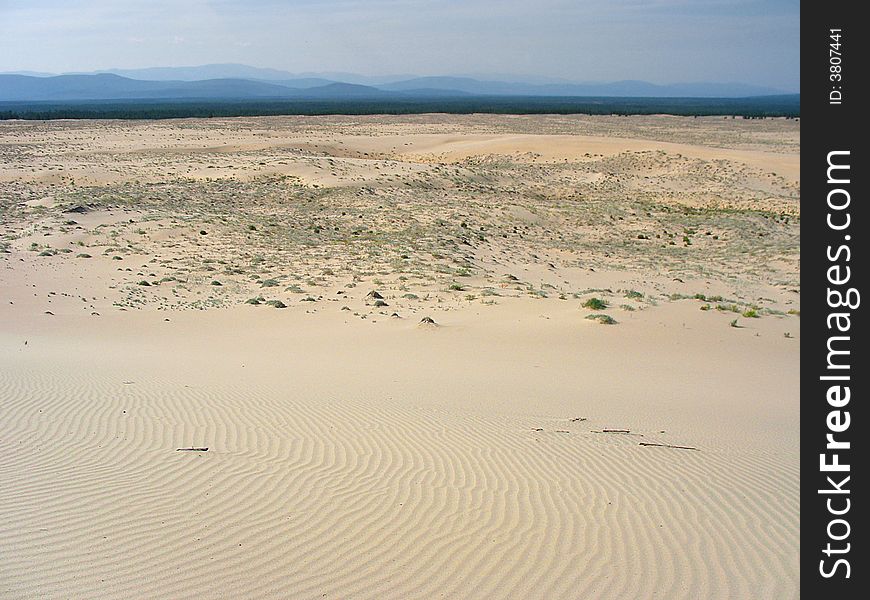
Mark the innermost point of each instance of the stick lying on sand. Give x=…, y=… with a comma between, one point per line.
x=668, y=446
x=616, y=431
x=191, y=449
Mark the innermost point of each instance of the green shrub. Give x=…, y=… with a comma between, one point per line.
x=595, y=304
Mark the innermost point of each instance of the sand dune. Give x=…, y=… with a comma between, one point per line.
x=338, y=484
x=515, y=449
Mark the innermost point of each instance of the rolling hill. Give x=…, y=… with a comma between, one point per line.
x=244, y=82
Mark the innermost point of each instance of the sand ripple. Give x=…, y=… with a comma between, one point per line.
x=346, y=498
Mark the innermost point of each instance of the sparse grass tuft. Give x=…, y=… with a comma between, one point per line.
x=602, y=318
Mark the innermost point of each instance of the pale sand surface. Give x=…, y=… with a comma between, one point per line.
x=354, y=453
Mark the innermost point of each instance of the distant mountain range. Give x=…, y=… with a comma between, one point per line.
x=243, y=82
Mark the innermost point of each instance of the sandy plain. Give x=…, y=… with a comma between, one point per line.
x=211, y=283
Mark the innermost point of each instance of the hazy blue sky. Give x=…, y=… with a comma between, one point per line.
x=663, y=41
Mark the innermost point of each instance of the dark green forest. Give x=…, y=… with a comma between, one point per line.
x=756, y=107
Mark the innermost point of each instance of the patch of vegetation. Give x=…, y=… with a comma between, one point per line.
x=595, y=304
x=728, y=308
x=602, y=318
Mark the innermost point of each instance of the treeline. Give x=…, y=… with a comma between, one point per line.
x=758, y=107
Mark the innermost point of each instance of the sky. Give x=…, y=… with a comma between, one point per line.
x=661, y=41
